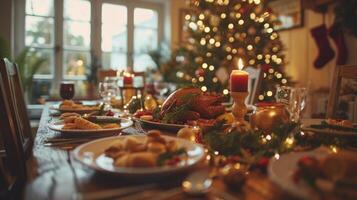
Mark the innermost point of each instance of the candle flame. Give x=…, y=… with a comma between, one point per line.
x=240, y=64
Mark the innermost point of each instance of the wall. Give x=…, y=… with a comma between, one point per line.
x=301, y=52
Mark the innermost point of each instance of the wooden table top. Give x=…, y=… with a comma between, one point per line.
x=53, y=174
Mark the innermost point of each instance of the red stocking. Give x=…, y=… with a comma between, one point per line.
x=326, y=53
x=336, y=34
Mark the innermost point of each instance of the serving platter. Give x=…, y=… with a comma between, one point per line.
x=159, y=125
x=93, y=108
x=92, y=155
x=58, y=126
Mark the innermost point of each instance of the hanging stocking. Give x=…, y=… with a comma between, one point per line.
x=326, y=53
x=336, y=34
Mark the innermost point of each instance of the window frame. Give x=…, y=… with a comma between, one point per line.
x=95, y=35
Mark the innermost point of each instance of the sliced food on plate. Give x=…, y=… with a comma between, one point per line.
x=91, y=123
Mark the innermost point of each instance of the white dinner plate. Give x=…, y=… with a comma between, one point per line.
x=339, y=133
x=281, y=172
x=57, y=126
x=91, y=154
x=80, y=111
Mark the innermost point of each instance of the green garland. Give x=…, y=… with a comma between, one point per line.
x=251, y=145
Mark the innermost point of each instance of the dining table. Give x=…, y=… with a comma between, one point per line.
x=53, y=173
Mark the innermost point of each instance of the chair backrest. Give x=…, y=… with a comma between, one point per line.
x=13, y=159
x=15, y=97
x=102, y=73
x=254, y=83
x=346, y=71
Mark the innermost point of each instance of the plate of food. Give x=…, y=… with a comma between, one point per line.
x=186, y=106
x=71, y=106
x=77, y=124
x=331, y=126
x=316, y=174
x=141, y=155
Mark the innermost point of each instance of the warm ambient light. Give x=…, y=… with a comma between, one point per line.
x=240, y=64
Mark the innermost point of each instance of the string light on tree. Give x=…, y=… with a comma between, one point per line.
x=222, y=30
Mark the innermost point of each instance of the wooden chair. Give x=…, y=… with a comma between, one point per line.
x=254, y=83
x=346, y=71
x=15, y=97
x=102, y=73
x=13, y=159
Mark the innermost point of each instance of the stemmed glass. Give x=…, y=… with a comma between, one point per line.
x=293, y=98
x=162, y=89
x=108, y=89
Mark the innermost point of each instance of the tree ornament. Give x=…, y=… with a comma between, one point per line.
x=252, y=30
x=150, y=102
x=214, y=20
x=200, y=72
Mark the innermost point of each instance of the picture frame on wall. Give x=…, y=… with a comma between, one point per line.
x=289, y=13
x=183, y=33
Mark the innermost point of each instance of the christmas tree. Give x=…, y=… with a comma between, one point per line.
x=221, y=31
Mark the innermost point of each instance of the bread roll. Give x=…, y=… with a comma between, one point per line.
x=156, y=147
x=340, y=165
x=142, y=159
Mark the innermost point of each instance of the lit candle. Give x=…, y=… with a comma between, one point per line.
x=128, y=78
x=239, y=79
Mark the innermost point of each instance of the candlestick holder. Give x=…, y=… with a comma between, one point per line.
x=239, y=108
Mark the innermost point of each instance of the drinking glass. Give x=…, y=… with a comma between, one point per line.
x=162, y=89
x=108, y=90
x=67, y=90
x=294, y=98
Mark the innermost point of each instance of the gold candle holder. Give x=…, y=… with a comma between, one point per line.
x=239, y=108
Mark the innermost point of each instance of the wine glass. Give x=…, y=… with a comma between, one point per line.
x=293, y=98
x=67, y=90
x=107, y=91
x=162, y=89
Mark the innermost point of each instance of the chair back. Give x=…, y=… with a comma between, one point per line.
x=254, y=83
x=346, y=71
x=15, y=98
x=12, y=159
x=102, y=73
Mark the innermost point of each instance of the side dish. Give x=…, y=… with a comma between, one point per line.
x=154, y=151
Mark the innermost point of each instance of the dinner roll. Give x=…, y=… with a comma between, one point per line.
x=156, y=147
x=142, y=159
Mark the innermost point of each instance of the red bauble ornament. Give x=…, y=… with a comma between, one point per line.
x=200, y=72
x=265, y=68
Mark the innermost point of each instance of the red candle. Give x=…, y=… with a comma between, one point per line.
x=239, y=79
x=128, y=80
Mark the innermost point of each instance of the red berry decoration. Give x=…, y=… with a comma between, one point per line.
x=200, y=72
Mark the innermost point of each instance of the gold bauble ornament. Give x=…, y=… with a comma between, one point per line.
x=189, y=133
x=269, y=115
x=149, y=102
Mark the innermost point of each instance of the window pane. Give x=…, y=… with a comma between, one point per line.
x=142, y=62
x=34, y=55
x=40, y=7
x=145, y=39
x=145, y=18
x=76, y=34
x=114, y=38
x=115, y=15
x=77, y=10
x=41, y=90
x=75, y=63
x=114, y=60
x=39, y=31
